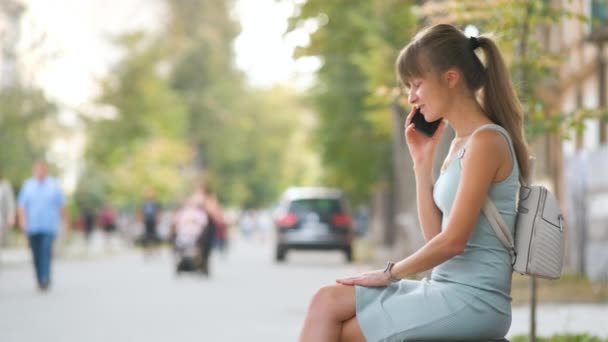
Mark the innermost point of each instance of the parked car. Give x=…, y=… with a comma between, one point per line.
x=313, y=218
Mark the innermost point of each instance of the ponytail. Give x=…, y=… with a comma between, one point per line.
x=501, y=104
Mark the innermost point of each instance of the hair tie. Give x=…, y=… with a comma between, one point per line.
x=473, y=42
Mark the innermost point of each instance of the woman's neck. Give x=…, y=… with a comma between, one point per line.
x=466, y=117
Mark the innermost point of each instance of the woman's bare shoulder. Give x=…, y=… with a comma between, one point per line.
x=488, y=148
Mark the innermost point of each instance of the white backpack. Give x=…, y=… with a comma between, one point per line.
x=538, y=246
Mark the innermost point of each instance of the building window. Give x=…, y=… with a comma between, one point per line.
x=599, y=14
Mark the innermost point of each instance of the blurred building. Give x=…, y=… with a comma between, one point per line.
x=579, y=165
x=10, y=21
x=581, y=81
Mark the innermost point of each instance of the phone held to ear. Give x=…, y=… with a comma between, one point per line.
x=423, y=126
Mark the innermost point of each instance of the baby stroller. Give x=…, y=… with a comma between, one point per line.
x=189, y=231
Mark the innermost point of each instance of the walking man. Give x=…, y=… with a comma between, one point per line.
x=41, y=211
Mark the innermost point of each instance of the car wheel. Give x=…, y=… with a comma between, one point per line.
x=348, y=252
x=280, y=254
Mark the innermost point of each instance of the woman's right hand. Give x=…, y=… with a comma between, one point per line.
x=422, y=148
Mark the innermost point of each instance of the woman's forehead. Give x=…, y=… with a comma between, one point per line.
x=426, y=75
x=416, y=66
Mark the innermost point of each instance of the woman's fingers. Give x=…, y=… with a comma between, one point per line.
x=372, y=279
x=409, y=132
x=355, y=280
x=408, y=119
x=344, y=282
x=410, y=128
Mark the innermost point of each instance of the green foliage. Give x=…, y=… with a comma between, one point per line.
x=144, y=137
x=263, y=150
x=199, y=41
x=27, y=119
x=240, y=135
x=563, y=338
x=182, y=113
x=358, y=44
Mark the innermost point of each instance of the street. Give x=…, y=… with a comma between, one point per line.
x=121, y=296
x=126, y=298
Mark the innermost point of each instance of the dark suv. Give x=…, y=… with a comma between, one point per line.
x=313, y=218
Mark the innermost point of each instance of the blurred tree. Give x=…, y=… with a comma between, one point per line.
x=357, y=44
x=239, y=135
x=143, y=136
x=26, y=118
x=265, y=149
x=180, y=110
x=199, y=38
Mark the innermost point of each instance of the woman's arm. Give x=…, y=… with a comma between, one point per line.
x=486, y=154
x=422, y=149
x=428, y=213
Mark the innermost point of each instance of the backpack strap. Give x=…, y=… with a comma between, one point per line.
x=500, y=227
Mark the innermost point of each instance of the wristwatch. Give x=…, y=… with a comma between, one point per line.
x=388, y=274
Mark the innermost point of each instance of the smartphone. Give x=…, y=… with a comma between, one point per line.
x=423, y=126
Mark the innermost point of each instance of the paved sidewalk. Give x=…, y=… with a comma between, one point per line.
x=562, y=319
x=12, y=256
x=77, y=248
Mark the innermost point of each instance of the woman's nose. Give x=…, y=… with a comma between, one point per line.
x=412, y=97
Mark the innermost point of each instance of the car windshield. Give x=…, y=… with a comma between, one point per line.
x=324, y=207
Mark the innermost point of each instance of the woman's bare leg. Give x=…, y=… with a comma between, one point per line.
x=329, y=308
x=351, y=331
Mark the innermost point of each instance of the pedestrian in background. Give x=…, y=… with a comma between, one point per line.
x=41, y=212
x=87, y=215
x=7, y=207
x=149, y=214
x=468, y=295
x=218, y=221
x=189, y=224
x=216, y=227
x=107, y=221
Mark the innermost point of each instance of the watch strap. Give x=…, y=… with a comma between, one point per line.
x=387, y=272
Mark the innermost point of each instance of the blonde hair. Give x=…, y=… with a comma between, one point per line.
x=442, y=47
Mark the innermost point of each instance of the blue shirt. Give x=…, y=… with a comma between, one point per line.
x=42, y=202
x=150, y=210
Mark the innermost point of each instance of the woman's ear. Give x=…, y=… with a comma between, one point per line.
x=452, y=77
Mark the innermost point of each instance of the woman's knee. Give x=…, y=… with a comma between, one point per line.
x=323, y=298
x=335, y=300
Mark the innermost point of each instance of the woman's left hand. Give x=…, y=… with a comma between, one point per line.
x=367, y=279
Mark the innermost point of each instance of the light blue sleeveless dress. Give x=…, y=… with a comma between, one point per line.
x=468, y=296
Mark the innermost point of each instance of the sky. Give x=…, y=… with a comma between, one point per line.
x=264, y=52
x=77, y=31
